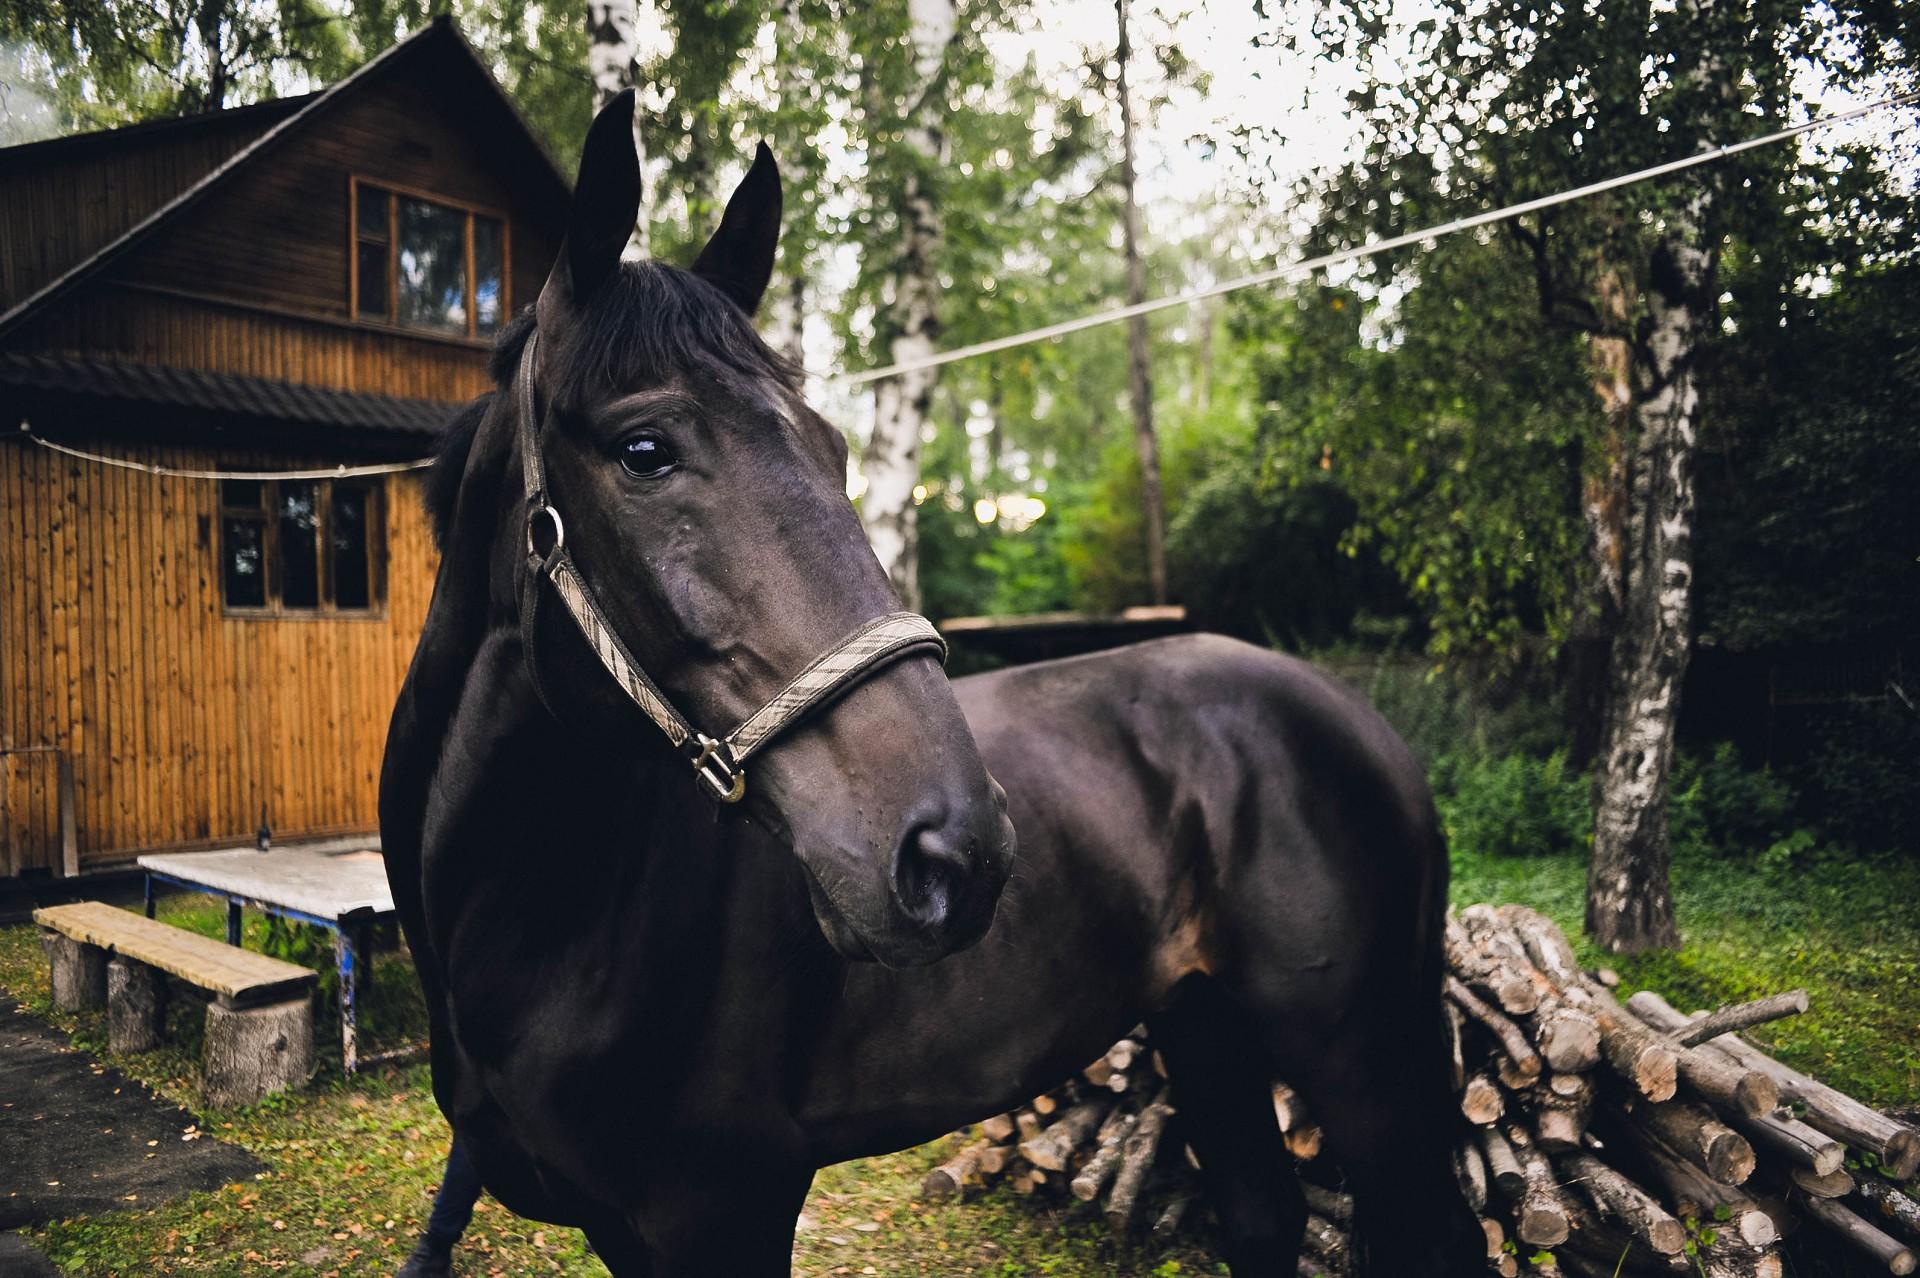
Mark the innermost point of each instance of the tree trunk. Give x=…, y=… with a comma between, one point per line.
x=1139, y=371
x=786, y=326
x=611, y=52
x=911, y=324
x=1629, y=900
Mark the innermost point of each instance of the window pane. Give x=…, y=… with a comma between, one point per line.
x=299, y=551
x=373, y=212
x=242, y=563
x=352, y=586
x=241, y=494
x=432, y=271
x=489, y=275
x=373, y=279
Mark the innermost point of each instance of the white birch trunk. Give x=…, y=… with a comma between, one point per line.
x=787, y=318
x=1139, y=366
x=1629, y=894
x=891, y=462
x=612, y=53
x=1629, y=901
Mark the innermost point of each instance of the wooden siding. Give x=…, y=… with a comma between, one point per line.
x=181, y=722
x=277, y=233
x=119, y=322
x=59, y=203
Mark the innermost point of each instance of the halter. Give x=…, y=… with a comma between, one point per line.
x=717, y=764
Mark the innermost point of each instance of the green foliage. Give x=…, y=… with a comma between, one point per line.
x=1516, y=805
x=1719, y=807
x=1859, y=777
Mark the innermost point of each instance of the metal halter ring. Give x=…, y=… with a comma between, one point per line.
x=559, y=531
x=723, y=779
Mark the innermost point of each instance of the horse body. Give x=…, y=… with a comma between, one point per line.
x=654, y=1015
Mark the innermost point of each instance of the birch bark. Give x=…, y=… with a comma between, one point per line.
x=1629, y=899
x=611, y=57
x=911, y=323
x=1139, y=367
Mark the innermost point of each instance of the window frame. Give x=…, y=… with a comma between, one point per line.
x=390, y=322
x=267, y=517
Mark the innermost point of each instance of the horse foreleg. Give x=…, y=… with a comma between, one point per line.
x=734, y=1225
x=1222, y=1091
x=621, y=1250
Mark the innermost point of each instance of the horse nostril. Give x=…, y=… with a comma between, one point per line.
x=930, y=871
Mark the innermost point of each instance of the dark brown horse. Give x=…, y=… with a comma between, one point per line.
x=654, y=1015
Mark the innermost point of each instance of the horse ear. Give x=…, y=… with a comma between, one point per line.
x=606, y=200
x=738, y=260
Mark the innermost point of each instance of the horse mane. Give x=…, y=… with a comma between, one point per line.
x=645, y=325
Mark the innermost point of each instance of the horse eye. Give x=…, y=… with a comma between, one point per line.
x=647, y=457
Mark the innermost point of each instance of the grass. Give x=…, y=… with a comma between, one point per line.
x=352, y=1164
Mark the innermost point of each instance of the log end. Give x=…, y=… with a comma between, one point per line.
x=1901, y=1159
x=1668, y=1236
x=1756, y=1094
x=1540, y=1227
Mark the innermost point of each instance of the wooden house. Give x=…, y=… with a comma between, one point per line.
x=303, y=284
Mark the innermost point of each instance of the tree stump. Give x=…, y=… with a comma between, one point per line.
x=136, y=1006
x=256, y=1051
x=79, y=972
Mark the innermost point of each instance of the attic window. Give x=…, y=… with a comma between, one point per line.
x=427, y=264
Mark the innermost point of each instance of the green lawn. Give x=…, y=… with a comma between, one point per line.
x=353, y=1165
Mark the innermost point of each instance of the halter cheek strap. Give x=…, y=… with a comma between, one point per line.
x=717, y=763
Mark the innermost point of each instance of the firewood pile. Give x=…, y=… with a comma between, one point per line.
x=1605, y=1138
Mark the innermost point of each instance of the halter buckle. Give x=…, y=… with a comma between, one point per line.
x=559, y=533
x=723, y=780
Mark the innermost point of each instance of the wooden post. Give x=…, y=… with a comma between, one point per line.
x=69, y=821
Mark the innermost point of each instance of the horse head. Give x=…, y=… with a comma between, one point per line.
x=705, y=514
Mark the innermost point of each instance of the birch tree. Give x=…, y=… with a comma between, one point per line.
x=1139, y=353
x=909, y=324
x=1521, y=107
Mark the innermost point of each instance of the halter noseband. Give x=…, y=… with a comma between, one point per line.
x=717, y=764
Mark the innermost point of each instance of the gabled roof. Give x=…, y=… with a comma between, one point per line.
x=289, y=405
x=440, y=34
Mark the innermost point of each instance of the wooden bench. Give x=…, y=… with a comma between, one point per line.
x=259, y=1028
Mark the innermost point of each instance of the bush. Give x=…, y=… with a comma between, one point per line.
x=1514, y=805
x=1716, y=806
x=1858, y=782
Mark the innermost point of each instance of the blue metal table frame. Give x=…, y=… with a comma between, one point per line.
x=352, y=955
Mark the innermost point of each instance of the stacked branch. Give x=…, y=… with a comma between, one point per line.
x=1621, y=1138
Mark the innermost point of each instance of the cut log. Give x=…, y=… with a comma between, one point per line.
x=1560, y=1113
x=998, y=1129
x=1327, y=1242
x=1456, y=1057
x=1122, y=1054
x=1027, y=1125
x=1832, y=1185
x=136, y=1006
x=1099, y=1074
x=1496, y=1236
x=1742, y=1016
x=1787, y=1136
x=1483, y=1103
x=1568, y=1037
x=1514, y=1043
x=1716, y=1076
x=1696, y=1135
x=1513, y=990
x=1054, y=1148
x=1839, y=1115
x=1167, y=1224
x=1635, y=1052
x=1092, y=1178
x=1857, y=1233
x=995, y=1159
x=1621, y=1200
x=1336, y=1207
x=1541, y=1217
x=1470, y=1169
x=1503, y=1164
x=1303, y=1142
x=1545, y=945
x=1044, y=1104
x=1136, y=1160
x=1694, y=1193
x=950, y=1177
x=1892, y=1207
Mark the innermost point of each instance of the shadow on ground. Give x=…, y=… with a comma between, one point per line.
x=78, y=1138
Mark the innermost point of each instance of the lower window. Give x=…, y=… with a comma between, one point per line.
x=301, y=545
